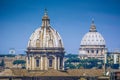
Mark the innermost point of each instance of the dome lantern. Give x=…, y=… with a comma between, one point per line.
x=45, y=19
x=93, y=27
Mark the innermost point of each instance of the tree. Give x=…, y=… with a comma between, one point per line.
x=79, y=66
x=2, y=63
x=70, y=66
x=19, y=62
x=22, y=62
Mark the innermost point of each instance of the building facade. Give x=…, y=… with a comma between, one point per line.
x=45, y=48
x=92, y=44
x=113, y=57
x=9, y=60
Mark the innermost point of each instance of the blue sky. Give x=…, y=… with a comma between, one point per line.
x=71, y=18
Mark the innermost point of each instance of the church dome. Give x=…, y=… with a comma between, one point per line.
x=93, y=37
x=45, y=36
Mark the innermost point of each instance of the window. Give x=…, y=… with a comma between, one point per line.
x=37, y=63
x=92, y=51
x=38, y=43
x=97, y=51
x=88, y=51
x=50, y=62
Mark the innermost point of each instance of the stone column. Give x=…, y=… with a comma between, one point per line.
x=33, y=63
x=55, y=66
x=46, y=63
x=30, y=63
x=58, y=63
x=100, y=52
x=94, y=52
x=41, y=63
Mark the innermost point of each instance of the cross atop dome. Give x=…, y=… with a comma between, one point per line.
x=45, y=12
x=93, y=27
x=92, y=20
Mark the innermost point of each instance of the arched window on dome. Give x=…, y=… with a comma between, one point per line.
x=38, y=43
x=50, y=43
x=102, y=40
x=60, y=44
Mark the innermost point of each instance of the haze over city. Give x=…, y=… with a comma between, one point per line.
x=71, y=18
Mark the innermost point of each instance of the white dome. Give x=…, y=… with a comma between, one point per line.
x=93, y=37
x=45, y=36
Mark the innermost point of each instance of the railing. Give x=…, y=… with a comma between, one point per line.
x=45, y=48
